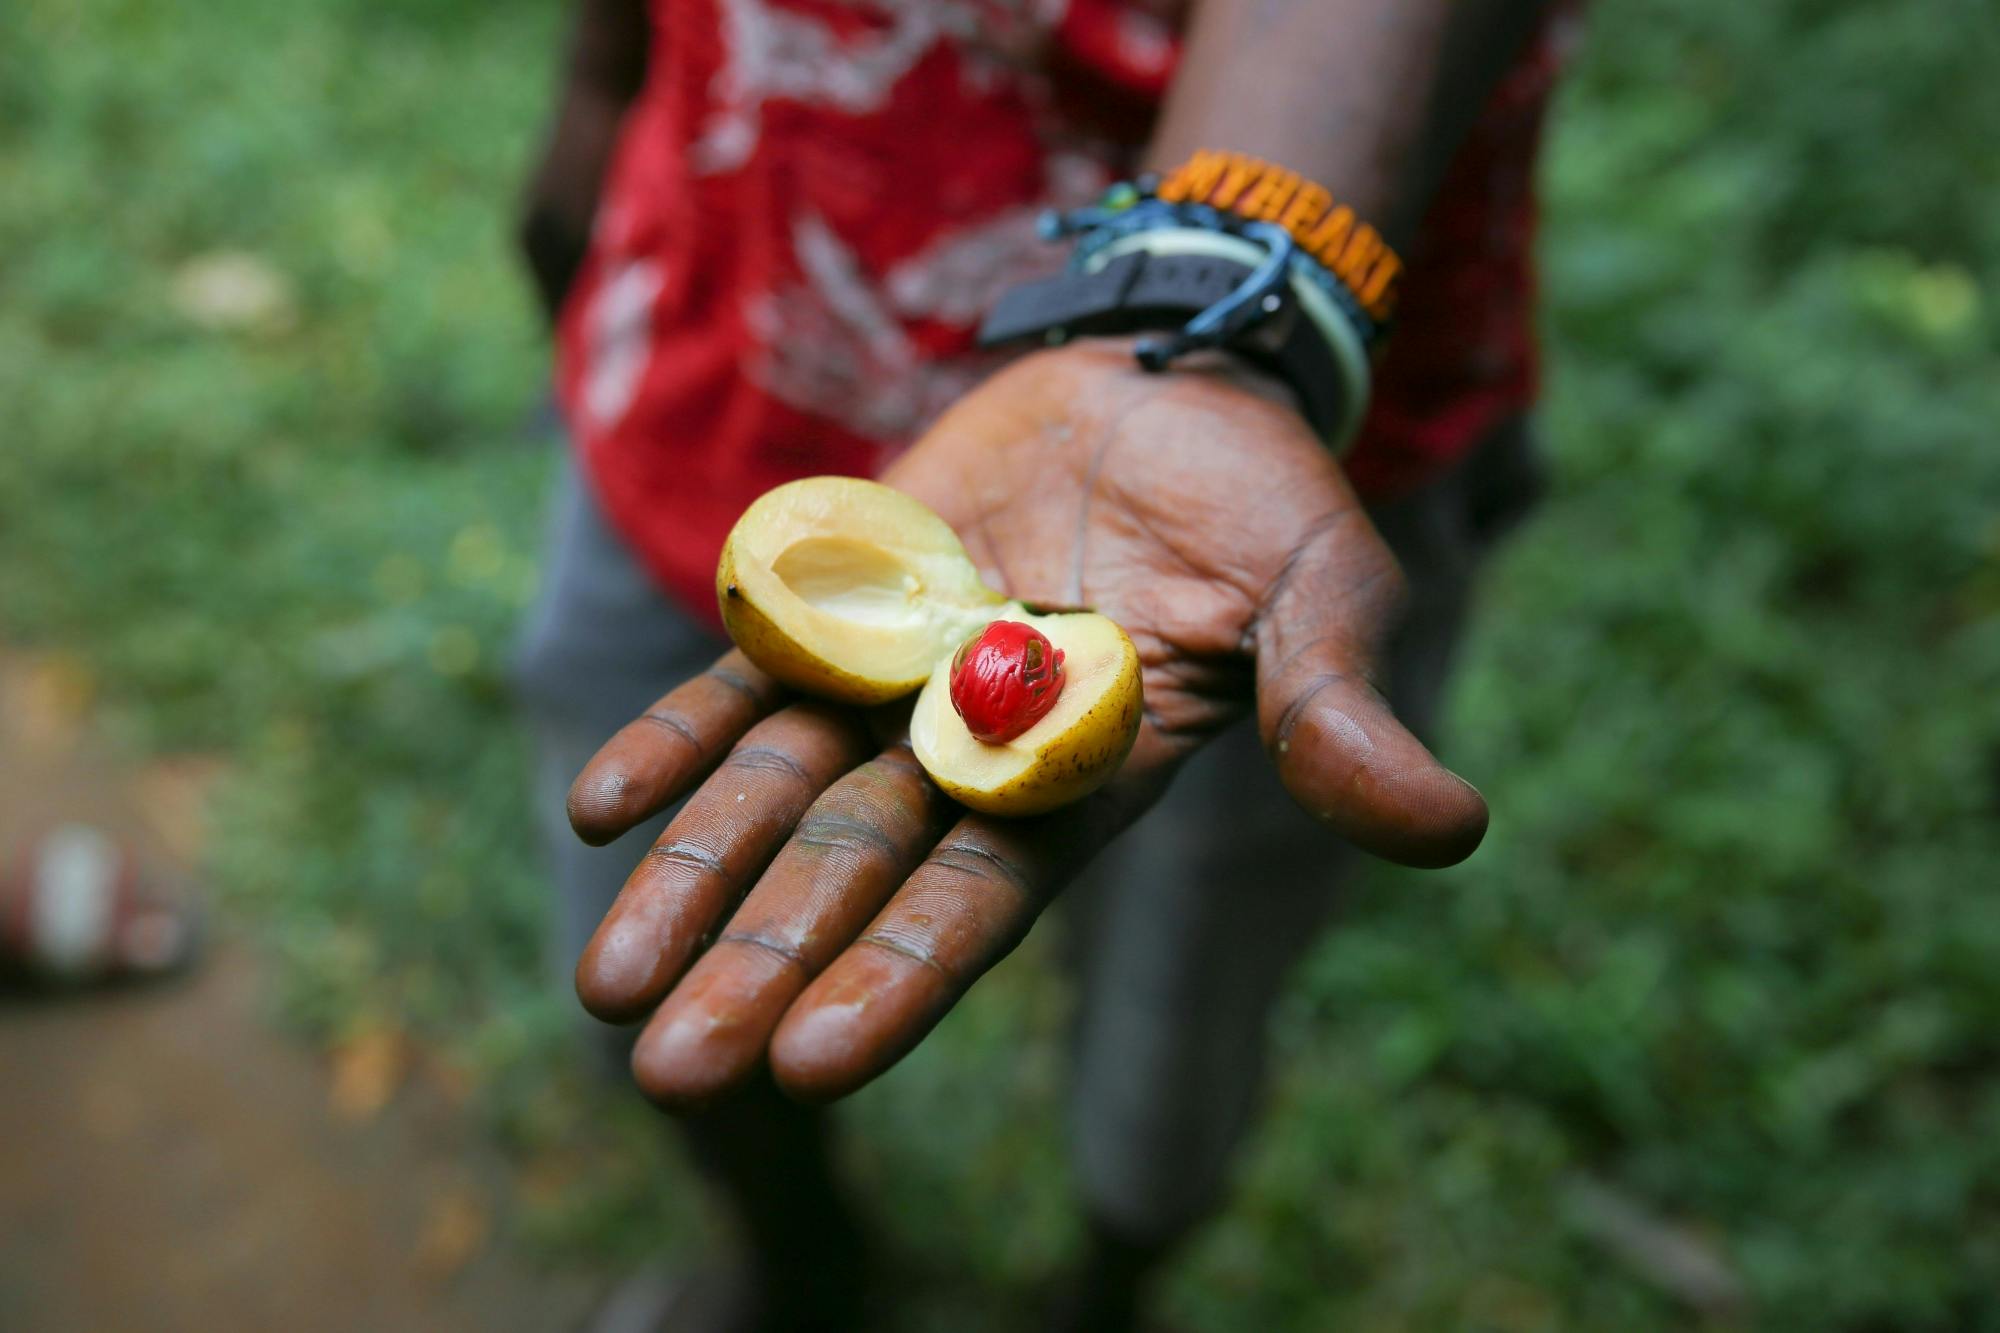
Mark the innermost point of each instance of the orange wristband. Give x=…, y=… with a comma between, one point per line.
x=1258, y=191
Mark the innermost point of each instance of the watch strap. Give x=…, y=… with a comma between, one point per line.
x=1139, y=292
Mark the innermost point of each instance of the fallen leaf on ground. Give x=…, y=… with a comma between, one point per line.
x=456, y=1225
x=172, y=796
x=367, y=1069
x=44, y=699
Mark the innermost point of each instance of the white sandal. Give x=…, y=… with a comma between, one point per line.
x=76, y=910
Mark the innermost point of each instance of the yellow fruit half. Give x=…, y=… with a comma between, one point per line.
x=1068, y=754
x=847, y=589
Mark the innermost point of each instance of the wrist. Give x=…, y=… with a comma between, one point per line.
x=1220, y=377
x=1241, y=373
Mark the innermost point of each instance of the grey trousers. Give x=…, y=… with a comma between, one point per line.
x=1182, y=933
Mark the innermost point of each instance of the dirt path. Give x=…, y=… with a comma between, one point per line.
x=169, y=1162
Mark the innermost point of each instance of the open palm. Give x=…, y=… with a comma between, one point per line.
x=819, y=905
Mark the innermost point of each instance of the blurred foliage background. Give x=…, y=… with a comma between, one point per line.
x=1719, y=1002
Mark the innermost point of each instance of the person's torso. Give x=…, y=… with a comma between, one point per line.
x=814, y=201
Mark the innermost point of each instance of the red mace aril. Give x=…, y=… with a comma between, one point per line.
x=1005, y=679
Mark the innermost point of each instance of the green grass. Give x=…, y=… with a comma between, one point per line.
x=1733, y=949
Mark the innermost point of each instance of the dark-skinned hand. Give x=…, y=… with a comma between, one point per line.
x=819, y=905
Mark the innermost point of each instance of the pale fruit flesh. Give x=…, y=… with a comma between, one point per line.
x=1065, y=755
x=848, y=589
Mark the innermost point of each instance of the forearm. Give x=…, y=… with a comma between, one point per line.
x=604, y=69
x=1367, y=97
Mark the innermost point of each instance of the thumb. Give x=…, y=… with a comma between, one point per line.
x=1338, y=747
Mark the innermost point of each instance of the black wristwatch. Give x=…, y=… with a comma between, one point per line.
x=1143, y=291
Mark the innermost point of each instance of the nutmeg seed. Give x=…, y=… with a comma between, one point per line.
x=1005, y=679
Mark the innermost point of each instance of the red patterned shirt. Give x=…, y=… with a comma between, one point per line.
x=814, y=201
